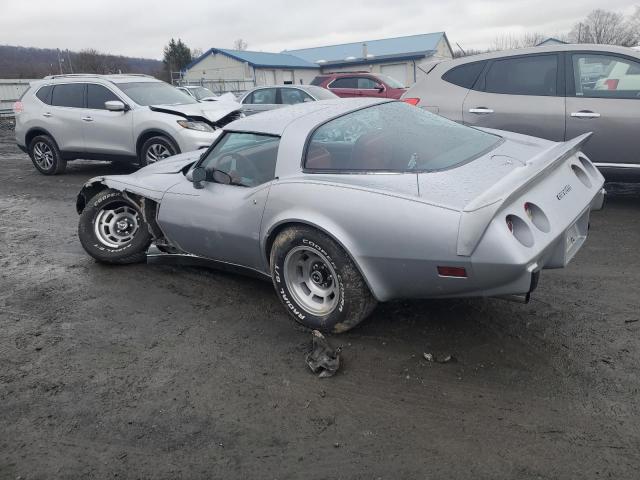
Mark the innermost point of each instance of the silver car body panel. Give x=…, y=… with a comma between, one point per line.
x=397, y=227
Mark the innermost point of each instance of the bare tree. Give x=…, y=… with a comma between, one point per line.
x=634, y=24
x=196, y=52
x=603, y=27
x=89, y=60
x=92, y=61
x=240, y=44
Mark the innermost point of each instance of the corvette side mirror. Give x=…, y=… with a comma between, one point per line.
x=221, y=177
x=198, y=176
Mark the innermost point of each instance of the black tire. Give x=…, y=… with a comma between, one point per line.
x=353, y=301
x=46, y=156
x=152, y=146
x=99, y=245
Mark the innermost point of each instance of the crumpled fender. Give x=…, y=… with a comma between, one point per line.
x=150, y=182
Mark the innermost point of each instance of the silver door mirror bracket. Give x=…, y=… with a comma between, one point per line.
x=197, y=176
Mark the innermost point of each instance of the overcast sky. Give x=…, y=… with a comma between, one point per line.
x=141, y=27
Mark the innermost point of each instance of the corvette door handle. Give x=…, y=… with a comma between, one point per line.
x=585, y=114
x=46, y=114
x=481, y=110
x=87, y=119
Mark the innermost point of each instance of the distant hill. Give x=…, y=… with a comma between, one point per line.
x=27, y=62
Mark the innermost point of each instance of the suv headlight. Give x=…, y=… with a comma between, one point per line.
x=199, y=126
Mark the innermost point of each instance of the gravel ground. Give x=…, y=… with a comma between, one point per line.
x=153, y=371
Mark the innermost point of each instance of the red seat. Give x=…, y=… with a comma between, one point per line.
x=318, y=157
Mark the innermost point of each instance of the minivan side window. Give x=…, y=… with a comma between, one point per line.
x=606, y=76
x=530, y=75
x=344, y=82
x=44, y=94
x=97, y=95
x=464, y=75
x=68, y=95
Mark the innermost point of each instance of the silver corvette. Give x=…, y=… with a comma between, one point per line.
x=345, y=203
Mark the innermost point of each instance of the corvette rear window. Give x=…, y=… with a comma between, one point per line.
x=394, y=137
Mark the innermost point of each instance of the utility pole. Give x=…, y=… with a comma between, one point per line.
x=69, y=58
x=60, y=62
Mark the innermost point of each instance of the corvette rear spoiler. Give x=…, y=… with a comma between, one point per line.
x=479, y=212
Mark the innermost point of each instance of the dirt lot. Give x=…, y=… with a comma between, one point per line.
x=163, y=372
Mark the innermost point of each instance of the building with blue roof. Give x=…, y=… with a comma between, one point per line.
x=397, y=57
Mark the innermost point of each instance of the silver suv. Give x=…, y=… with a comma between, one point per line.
x=129, y=118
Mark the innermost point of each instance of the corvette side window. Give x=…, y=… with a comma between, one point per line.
x=248, y=158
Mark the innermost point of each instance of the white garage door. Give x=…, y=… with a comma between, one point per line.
x=397, y=71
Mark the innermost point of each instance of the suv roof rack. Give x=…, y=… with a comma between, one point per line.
x=83, y=75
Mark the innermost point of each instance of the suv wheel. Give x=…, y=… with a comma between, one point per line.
x=45, y=155
x=155, y=149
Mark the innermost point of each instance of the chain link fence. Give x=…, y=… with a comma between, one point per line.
x=7, y=120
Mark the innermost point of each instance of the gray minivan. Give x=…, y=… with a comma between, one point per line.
x=556, y=92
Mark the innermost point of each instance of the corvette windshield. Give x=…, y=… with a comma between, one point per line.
x=395, y=137
x=155, y=93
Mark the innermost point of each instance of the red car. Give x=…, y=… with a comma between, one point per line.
x=360, y=84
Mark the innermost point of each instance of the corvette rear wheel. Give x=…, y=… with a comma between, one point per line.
x=112, y=229
x=317, y=282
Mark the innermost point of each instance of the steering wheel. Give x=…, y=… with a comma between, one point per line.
x=242, y=162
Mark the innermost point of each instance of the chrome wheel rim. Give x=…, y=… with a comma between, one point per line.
x=156, y=152
x=116, y=227
x=311, y=280
x=43, y=155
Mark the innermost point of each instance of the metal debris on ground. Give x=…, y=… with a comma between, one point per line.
x=323, y=359
x=430, y=357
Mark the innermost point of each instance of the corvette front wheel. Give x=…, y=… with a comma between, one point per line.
x=112, y=230
x=317, y=282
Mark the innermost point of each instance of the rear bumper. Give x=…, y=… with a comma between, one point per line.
x=22, y=147
x=520, y=279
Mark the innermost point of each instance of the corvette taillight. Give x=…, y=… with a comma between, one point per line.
x=528, y=211
x=611, y=83
x=537, y=217
x=510, y=224
x=582, y=175
x=18, y=107
x=520, y=230
x=411, y=101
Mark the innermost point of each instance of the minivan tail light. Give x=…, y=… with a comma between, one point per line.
x=18, y=107
x=411, y=101
x=611, y=83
